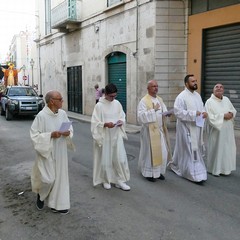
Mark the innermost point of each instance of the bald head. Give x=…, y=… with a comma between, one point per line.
x=152, y=88
x=54, y=100
x=218, y=90
x=151, y=82
x=52, y=94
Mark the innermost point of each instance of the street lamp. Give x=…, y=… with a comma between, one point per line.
x=32, y=64
x=24, y=77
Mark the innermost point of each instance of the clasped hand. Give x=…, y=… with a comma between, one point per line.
x=228, y=116
x=204, y=114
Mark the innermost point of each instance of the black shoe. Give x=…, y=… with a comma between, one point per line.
x=62, y=212
x=161, y=177
x=151, y=179
x=54, y=210
x=39, y=204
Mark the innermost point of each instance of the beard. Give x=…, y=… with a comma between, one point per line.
x=194, y=87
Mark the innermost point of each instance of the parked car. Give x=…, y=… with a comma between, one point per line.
x=20, y=100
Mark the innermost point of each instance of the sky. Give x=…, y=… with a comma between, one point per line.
x=15, y=16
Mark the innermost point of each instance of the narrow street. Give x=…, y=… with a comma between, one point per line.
x=174, y=209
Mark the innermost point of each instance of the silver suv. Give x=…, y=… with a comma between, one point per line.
x=20, y=100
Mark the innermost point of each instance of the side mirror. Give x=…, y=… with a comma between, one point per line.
x=40, y=95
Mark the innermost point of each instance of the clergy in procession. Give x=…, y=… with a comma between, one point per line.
x=110, y=164
x=155, y=147
x=221, y=154
x=50, y=172
x=189, y=149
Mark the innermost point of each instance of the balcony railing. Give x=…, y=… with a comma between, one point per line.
x=112, y=2
x=66, y=15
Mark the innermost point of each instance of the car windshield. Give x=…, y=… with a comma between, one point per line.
x=22, y=92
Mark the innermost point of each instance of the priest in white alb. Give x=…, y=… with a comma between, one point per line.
x=50, y=172
x=155, y=148
x=189, y=148
x=221, y=154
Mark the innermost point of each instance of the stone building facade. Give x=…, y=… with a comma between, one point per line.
x=127, y=42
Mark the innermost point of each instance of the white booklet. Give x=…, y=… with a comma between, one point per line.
x=200, y=121
x=65, y=126
x=169, y=112
x=116, y=124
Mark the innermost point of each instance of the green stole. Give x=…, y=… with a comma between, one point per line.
x=154, y=133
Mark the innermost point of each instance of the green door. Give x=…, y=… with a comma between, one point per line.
x=74, y=89
x=117, y=76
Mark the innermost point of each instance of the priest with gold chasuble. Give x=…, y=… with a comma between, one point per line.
x=155, y=147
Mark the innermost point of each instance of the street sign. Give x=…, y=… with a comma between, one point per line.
x=24, y=78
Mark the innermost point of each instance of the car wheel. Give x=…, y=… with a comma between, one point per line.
x=2, y=111
x=9, y=115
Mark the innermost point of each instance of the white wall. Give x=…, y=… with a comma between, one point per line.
x=91, y=7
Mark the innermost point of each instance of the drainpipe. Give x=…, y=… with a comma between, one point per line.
x=136, y=54
x=40, y=71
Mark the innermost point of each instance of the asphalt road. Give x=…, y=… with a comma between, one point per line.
x=174, y=209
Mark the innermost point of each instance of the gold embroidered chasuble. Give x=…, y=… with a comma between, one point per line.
x=154, y=132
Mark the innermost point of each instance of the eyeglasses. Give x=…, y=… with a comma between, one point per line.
x=58, y=99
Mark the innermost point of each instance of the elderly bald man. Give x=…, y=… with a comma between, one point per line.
x=221, y=155
x=50, y=172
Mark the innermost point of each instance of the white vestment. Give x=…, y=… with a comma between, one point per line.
x=50, y=171
x=221, y=154
x=145, y=117
x=188, y=153
x=110, y=159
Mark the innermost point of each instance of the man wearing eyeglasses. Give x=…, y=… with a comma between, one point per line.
x=108, y=130
x=50, y=172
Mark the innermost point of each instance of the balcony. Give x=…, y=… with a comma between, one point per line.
x=66, y=16
x=113, y=2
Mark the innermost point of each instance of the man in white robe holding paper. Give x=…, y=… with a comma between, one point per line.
x=108, y=130
x=188, y=153
x=50, y=172
x=155, y=146
x=221, y=154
